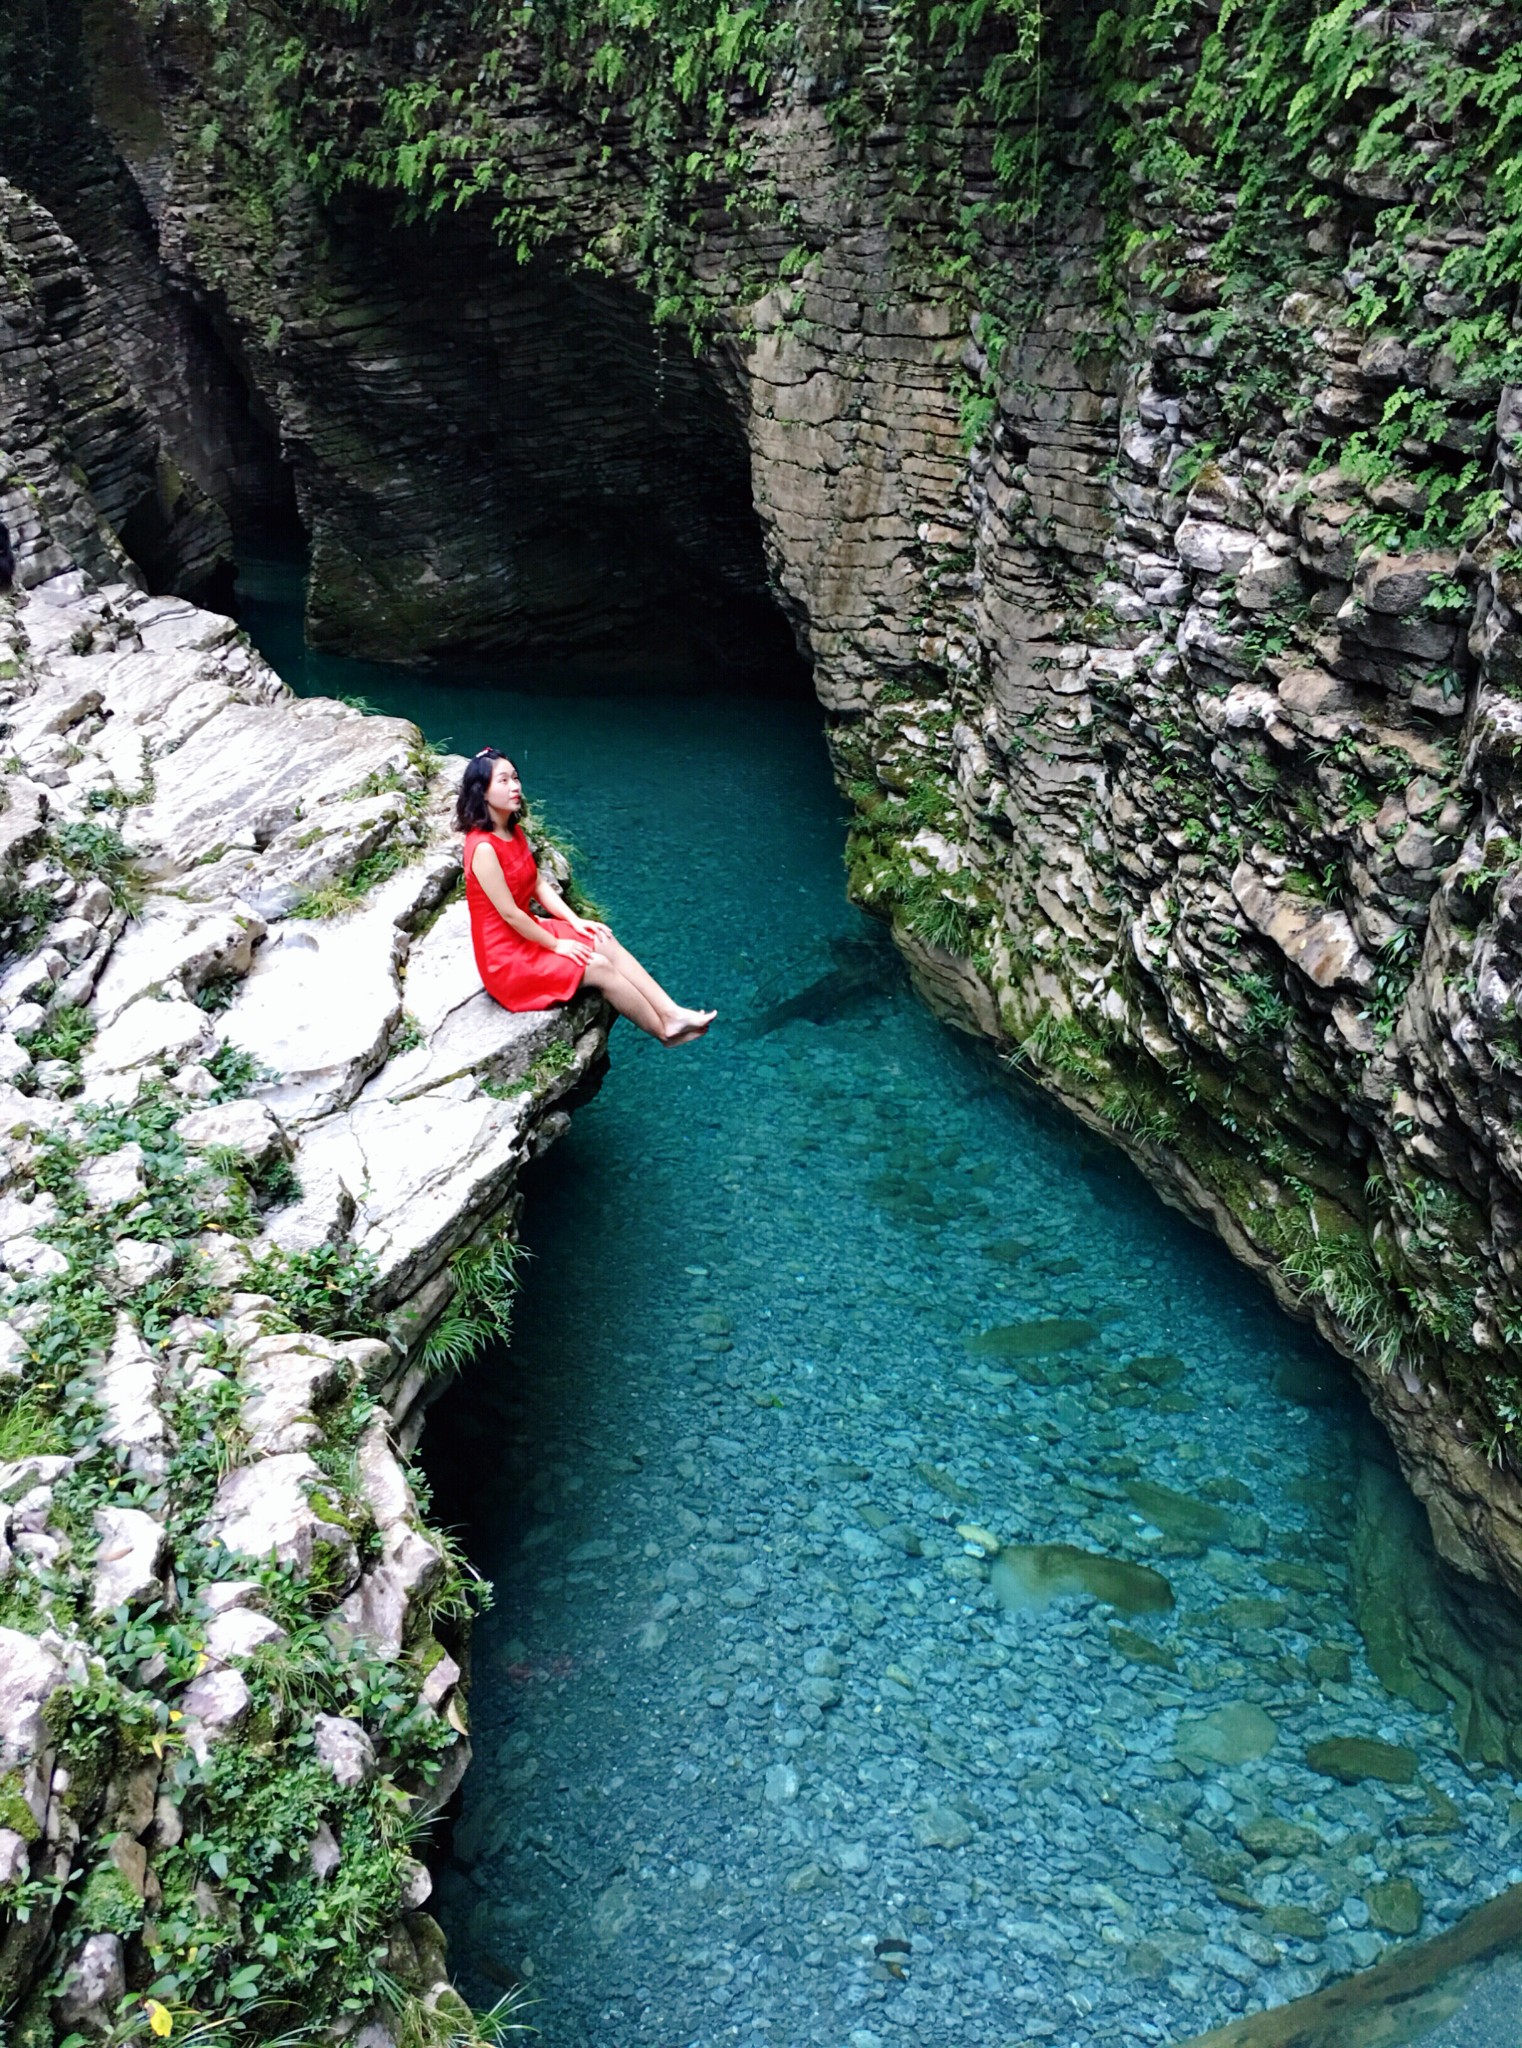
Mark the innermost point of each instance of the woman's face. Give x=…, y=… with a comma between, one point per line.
x=504, y=792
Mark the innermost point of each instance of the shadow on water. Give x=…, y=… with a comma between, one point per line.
x=761, y=1754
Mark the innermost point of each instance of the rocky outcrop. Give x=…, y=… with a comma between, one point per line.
x=84, y=458
x=260, y=1133
x=1182, y=776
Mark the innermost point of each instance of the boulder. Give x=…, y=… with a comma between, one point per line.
x=214, y=1705
x=1316, y=938
x=94, y=1983
x=129, y=1562
x=29, y=1676
x=238, y=1632
x=128, y=1389
x=345, y=1748
x=247, y=1128
x=114, y=1180
x=266, y=1510
x=289, y=1378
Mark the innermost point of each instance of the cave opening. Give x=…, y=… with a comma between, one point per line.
x=516, y=463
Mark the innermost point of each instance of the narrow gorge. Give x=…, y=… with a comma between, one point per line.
x=938, y=1593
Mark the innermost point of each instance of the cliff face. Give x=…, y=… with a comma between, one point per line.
x=1180, y=725
x=256, y=1198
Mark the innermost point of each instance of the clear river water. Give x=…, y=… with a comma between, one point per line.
x=921, y=1558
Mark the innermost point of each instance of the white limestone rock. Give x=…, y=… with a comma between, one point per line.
x=238, y=1632
x=265, y=1510
x=15, y=1060
x=29, y=1676
x=345, y=1748
x=250, y=1129
x=147, y=1032
x=1213, y=548
x=324, y=1852
x=409, y=1568
x=318, y=1008
x=129, y=1564
x=1315, y=937
x=175, y=942
x=138, y=1262
x=13, y=1857
x=214, y=1705
x=128, y=1387
x=290, y=1378
x=114, y=1180
x=93, y=1986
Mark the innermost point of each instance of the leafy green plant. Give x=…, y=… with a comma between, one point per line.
x=480, y=1310
x=235, y=1072
x=64, y=1036
x=327, y=1290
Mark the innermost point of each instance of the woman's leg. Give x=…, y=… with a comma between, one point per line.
x=621, y=958
x=670, y=1026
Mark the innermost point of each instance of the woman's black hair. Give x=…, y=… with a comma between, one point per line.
x=470, y=812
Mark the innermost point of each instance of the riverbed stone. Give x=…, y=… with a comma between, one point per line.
x=1234, y=1734
x=1350, y=1758
x=1396, y=1906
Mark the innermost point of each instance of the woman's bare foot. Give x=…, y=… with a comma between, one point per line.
x=685, y=1025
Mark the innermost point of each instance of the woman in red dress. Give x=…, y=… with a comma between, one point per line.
x=528, y=962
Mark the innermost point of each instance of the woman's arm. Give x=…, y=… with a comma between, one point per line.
x=556, y=905
x=487, y=870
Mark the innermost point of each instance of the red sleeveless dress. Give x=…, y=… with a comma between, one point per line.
x=521, y=975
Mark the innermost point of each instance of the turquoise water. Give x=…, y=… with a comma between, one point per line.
x=769, y=1747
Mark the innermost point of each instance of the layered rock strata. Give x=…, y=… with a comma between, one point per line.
x=260, y=1136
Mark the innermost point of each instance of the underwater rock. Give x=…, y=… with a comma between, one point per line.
x=1009, y=1251
x=1397, y=1906
x=1431, y=1636
x=1176, y=1514
x=1350, y=1758
x=1031, y=1340
x=1027, y=1577
x=1142, y=1650
x=1267, y=1835
x=1235, y=1734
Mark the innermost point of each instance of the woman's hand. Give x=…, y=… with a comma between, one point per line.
x=575, y=949
x=588, y=927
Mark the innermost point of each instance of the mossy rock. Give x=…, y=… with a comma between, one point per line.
x=1329, y=1664
x=1142, y=1650
x=1296, y=1923
x=1235, y=1734
x=1032, y=1340
x=1396, y=1907
x=1267, y=1835
x=1028, y=1576
x=1176, y=1514
x=1251, y=1614
x=1158, y=1369
x=15, y=1814
x=1351, y=1758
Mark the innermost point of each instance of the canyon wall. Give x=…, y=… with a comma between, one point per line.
x=260, y=1138
x=1158, y=585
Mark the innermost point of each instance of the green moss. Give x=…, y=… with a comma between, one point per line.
x=15, y=1814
